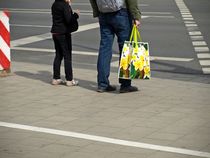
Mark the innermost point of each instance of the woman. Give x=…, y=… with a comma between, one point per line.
x=64, y=22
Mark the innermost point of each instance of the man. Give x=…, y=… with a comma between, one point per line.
x=115, y=18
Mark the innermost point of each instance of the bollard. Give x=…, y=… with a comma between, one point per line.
x=5, y=57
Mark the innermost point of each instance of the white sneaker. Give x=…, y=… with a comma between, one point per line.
x=72, y=83
x=57, y=81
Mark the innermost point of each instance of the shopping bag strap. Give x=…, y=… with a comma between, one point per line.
x=135, y=35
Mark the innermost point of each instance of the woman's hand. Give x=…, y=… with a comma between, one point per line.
x=77, y=11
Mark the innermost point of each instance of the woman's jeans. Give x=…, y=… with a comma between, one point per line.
x=63, y=49
x=120, y=24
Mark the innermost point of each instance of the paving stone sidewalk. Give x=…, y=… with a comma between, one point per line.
x=164, y=112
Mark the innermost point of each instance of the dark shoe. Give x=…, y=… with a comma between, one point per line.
x=128, y=89
x=110, y=88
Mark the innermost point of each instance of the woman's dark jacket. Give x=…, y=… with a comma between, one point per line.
x=63, y=19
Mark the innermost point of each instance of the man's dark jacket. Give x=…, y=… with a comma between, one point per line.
x=63, y=19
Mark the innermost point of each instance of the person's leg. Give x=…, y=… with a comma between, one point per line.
x=64, y=46
x=58, y=58
x=68, y=66
x=105, y=52
x=123, y=29
x=68, y=57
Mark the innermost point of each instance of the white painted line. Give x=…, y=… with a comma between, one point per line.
x=201, y=49
x=171, y=59
x=189, y=22
x=156, y=13
x=19, y=25
x=195, y=33
x=204, y=62
x=192, y=28
x=199, y=43
x=185, y=13
x=191, y=25
x=188, y=19
x=206, y=70
x=187, y=16
x=96, y=54
x=107, y=140
x=30, y=39
x=203, y=55
x=37, y=38
x=196, y=37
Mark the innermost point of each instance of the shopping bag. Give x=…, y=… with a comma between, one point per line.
x=135, y=61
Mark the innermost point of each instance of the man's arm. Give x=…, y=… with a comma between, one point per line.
x=132, y=6
x=95, y=8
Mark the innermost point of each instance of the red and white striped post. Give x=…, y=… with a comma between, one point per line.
x=5, y=57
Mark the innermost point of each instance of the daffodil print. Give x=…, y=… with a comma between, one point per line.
x=135, y=61
x=138, y=65
x=124, y=63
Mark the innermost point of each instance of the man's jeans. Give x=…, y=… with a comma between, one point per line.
x=111, y=24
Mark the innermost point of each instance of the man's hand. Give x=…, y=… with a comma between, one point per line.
x=137, y=23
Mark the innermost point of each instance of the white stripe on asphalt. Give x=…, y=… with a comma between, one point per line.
x=196, y=37
x=199, y=43
x=37, y=38
x=191, y=25
x=205, y=62
x=194, y=33
x=187, y=16
x=206, y=70
x=107, y=140
x=189, y=22
x=30, y=39
x=200, y=46
x=201, y=49
x=95, y=54
x=21, y=25
x=203, y=55
x=188, y=19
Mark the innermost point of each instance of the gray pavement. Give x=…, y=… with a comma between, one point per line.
x=170, y=110
x=164, y=112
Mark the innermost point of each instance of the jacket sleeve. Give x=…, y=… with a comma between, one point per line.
x=67, y=13
x=95, y=8
x=132, y=6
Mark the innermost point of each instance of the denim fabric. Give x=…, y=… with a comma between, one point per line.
x=120, y=24
x=63, y=49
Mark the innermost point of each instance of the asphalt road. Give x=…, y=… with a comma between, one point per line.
x=163, y=26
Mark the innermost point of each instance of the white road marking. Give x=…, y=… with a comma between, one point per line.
x=96, y=54
x=187, y=16
x=106, y=140
x=196, y=37
x=30, y=39
x=206, y=70
x=203, y=55
x=201, y=49
x=37, y=38
x=194, y=33
x=188, y=19
x=21, y=25
x=191, y=25
x=189, y=22
x=199, y=43
x=205, y=62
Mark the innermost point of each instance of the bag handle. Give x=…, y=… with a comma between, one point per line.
x=135, y=34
